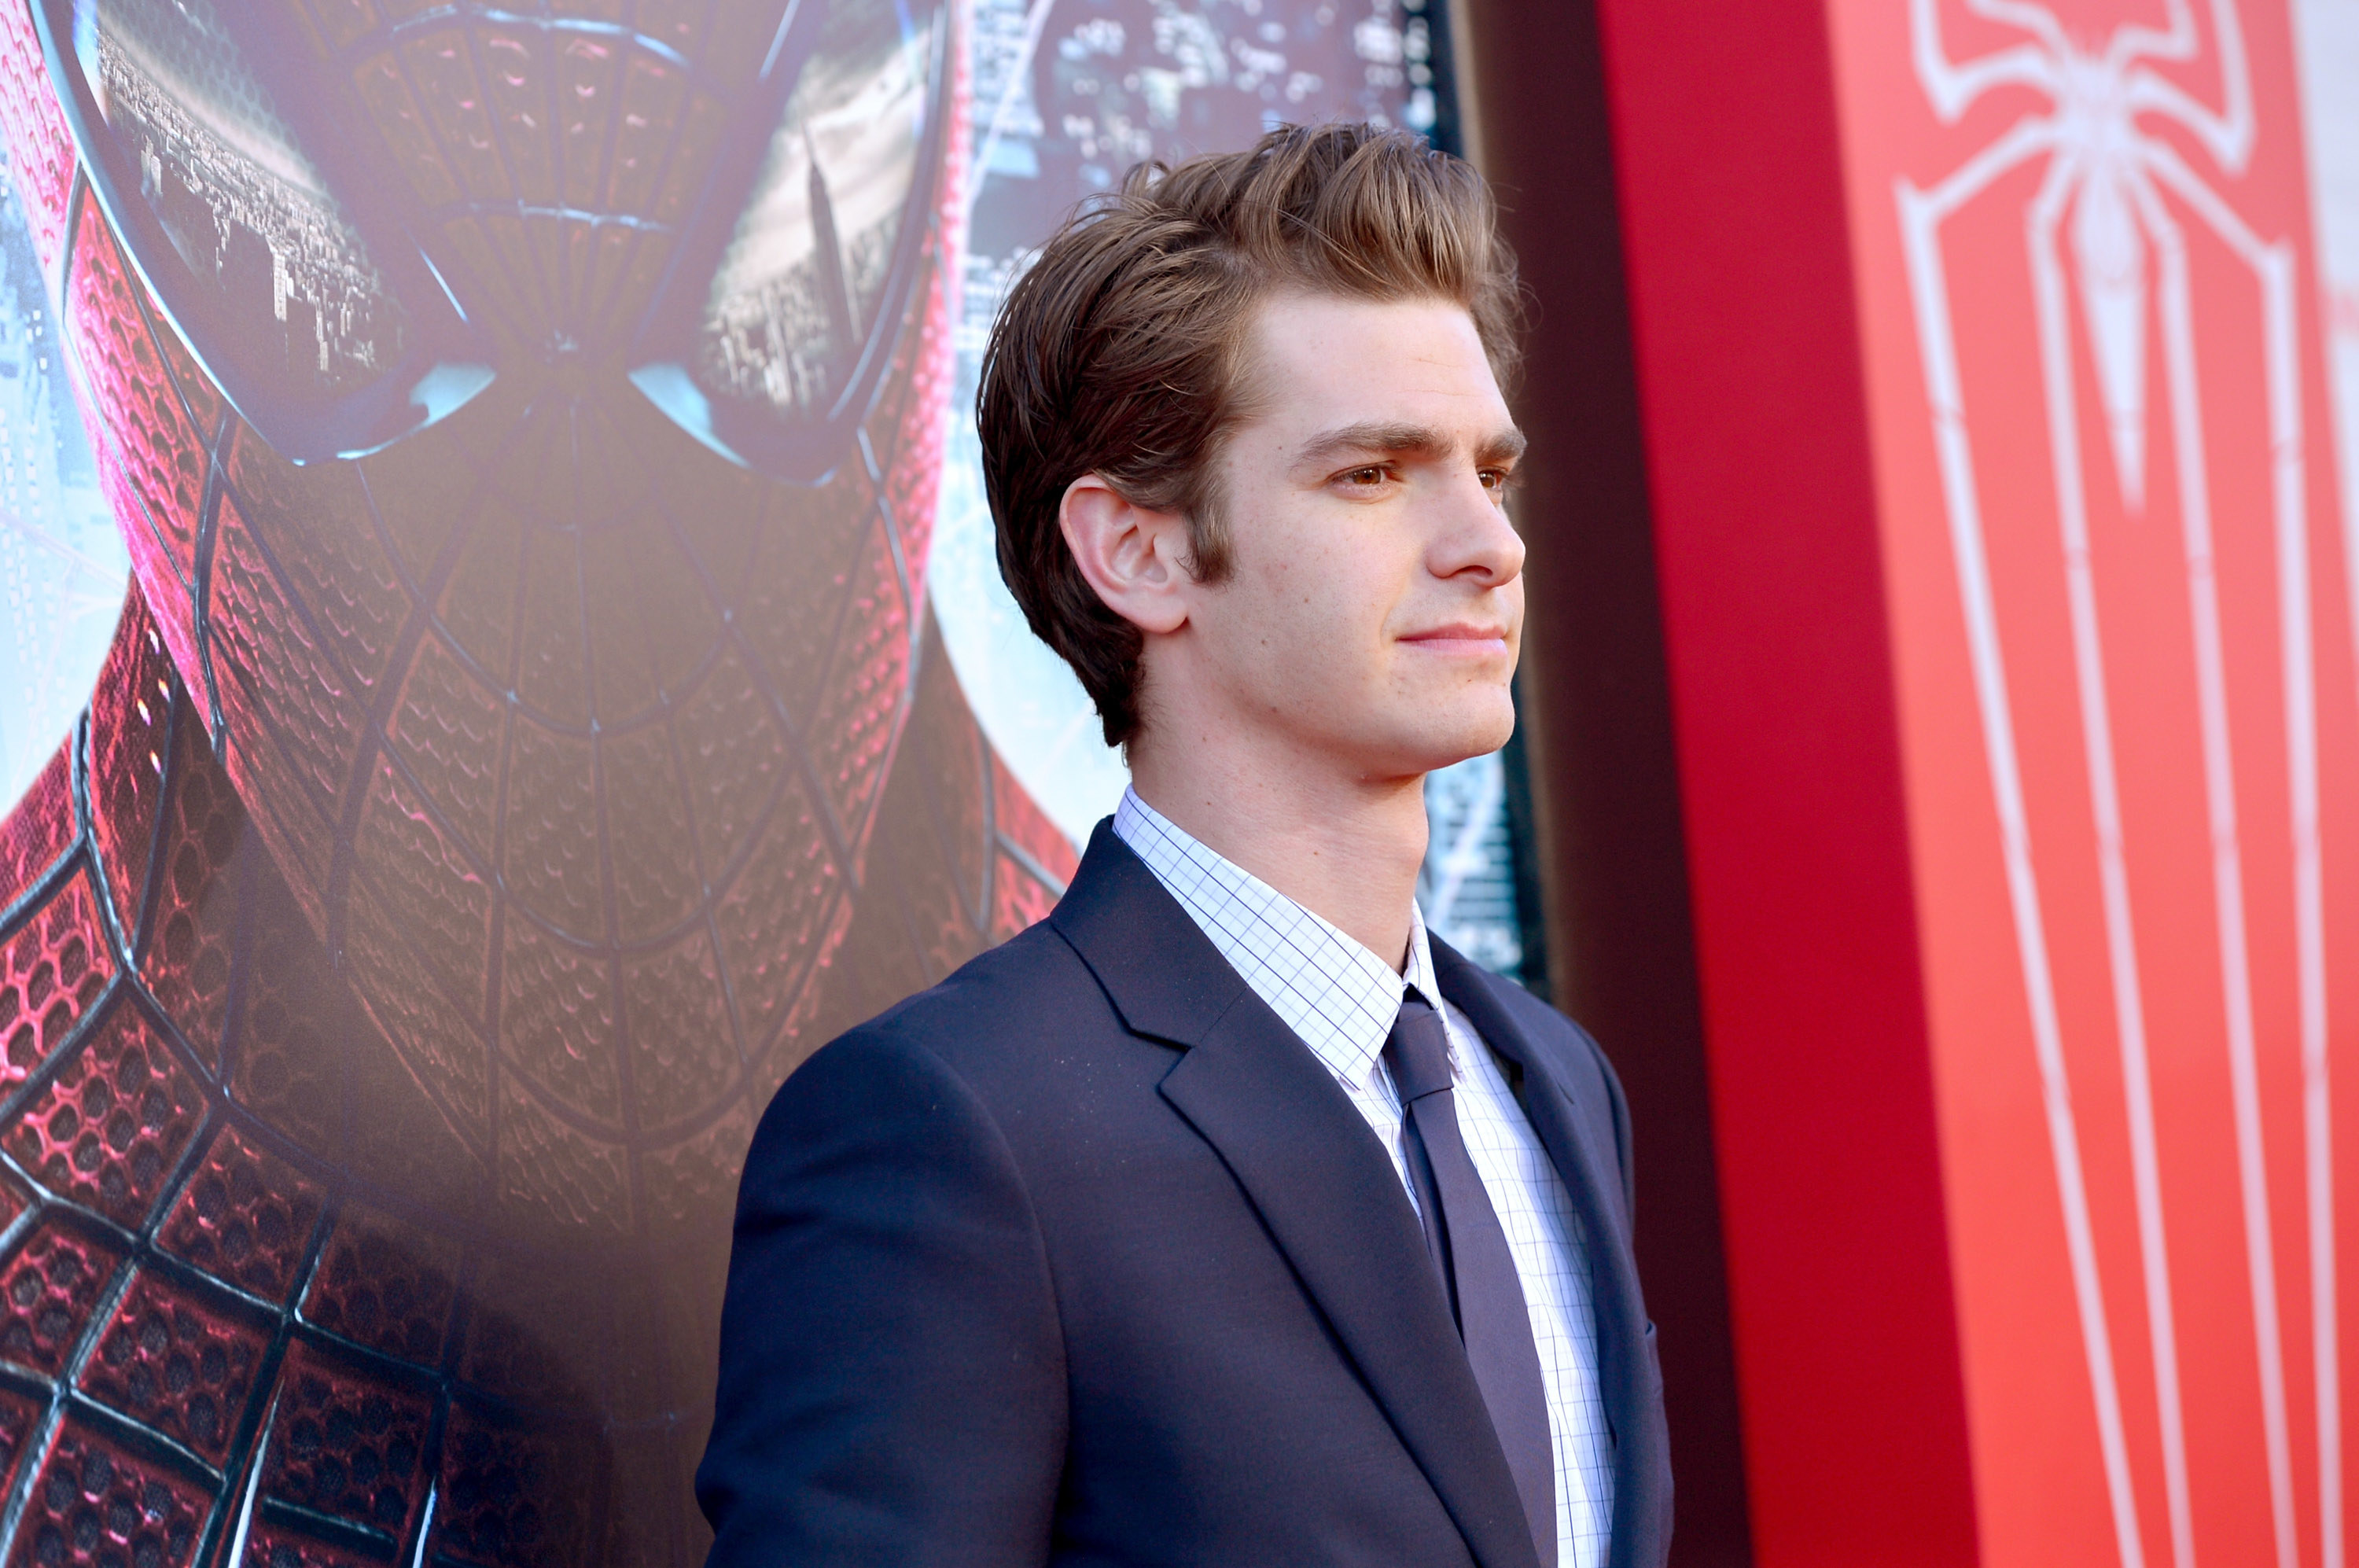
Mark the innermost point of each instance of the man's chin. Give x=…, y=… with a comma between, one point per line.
x=1433, y=747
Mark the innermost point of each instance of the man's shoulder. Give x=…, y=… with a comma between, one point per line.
x=1017, y=1050
x=1011, y=1012
x=1032, y=980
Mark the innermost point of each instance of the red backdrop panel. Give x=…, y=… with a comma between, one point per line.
x=2014, y=682
x=1765, y=515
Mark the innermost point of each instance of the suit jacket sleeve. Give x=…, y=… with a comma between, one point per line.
x=892, y=1386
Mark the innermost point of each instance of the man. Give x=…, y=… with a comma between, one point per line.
x=1119, y=1246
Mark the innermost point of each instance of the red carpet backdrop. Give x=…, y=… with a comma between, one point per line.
x=527, y=736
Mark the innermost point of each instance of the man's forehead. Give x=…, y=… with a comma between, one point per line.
x=1297, y=325
x=1319, y=363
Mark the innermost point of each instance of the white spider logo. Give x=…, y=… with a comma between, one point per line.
x=2101, y=219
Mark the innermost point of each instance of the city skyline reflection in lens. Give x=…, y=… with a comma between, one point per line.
x=799, y=288
x=242, y=203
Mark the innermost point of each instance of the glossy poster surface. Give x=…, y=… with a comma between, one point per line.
x=2097, y=335
x=529, y=733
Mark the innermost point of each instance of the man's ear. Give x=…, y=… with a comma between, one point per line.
x=1132, y=555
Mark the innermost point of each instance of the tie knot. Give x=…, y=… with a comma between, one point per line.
x=1418, y=1051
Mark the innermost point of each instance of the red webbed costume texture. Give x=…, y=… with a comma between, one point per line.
x=464, y=840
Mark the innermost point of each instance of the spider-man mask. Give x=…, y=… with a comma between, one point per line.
x=526, y=431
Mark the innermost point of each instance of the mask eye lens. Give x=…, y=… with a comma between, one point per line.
x=280, y=270
x=811, y=268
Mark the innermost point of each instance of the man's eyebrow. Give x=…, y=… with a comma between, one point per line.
x=1407, y=441
x=1506, y=446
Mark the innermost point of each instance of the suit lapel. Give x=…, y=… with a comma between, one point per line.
x=1593, y=1177
x=1322, y=1184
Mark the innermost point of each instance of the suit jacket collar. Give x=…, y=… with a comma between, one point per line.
x=1327, y=986
x=1162, y=974
x=1314, y=1172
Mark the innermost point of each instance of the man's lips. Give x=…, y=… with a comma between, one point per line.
x=1460, y=638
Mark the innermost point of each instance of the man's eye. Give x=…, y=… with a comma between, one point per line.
x=1365, y=476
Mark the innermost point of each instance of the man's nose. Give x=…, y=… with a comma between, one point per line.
x=1474, y=535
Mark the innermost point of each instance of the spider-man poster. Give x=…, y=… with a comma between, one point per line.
x=528, y=732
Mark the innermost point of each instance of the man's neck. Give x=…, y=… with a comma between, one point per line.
x=1347, y=850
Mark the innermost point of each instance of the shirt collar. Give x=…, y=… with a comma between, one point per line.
x=1419, y=970
x=1332, y=990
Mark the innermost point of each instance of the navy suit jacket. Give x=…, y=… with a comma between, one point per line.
x=1082, y=1257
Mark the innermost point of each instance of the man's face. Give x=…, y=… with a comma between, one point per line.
x=1376, y=601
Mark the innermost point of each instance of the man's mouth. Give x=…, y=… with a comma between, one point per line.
x=1459, y=637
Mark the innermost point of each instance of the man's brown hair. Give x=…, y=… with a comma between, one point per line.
x=1120, y=352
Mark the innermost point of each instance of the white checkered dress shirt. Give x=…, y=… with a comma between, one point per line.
x=1341, y=999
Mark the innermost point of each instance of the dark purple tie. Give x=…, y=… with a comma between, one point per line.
x=1463, y=1234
